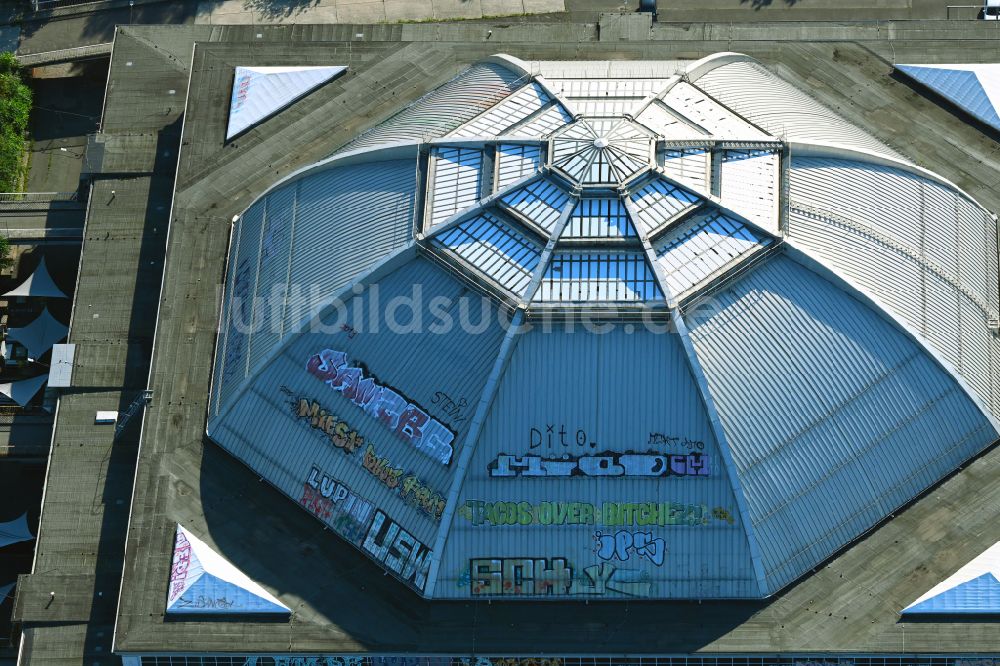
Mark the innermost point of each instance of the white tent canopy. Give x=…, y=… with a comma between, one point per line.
x=261, y=92
x=15, y=531
x=23, y=390
x=39, y=283
x=39, y=336
x=203, y=582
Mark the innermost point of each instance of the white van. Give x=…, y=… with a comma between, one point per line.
x=991, y=10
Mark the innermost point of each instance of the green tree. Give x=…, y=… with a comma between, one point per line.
x=8, y=63
x=6, y=261
x=15, y=110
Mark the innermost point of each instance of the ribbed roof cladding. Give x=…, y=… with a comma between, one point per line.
x=584, y=536
x=300, y=242
x=782, y=109
x=925, y=251
x=443, y=109
x=850, y=390
x=503, y=367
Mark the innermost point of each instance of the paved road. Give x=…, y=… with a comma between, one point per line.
x=780, y=10
x=97, y=27
x=808, y=10
x=67, y=108
x=363, y=11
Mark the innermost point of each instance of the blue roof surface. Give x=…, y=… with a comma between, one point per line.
x=972, y=590
x=212, y=595
x=260, y=92
x=978, y=596
x=962, y=87
x=203, y=582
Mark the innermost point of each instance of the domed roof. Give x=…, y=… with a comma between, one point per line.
x=602, y=151
x=603, y=330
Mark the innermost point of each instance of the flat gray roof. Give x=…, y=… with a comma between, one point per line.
x=342, y=602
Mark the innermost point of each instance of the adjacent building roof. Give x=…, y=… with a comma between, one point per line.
x=974, y=88
x=202, y=582
x=61, y=365
x=776, y=326
x=972, y=590
x=260, y=92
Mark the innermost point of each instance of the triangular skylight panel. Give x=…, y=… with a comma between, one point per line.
x=606, y=97
x=666, y=122
x=202, y=582
x=972, y=590
x=692, y=103
x=975, y=88
x=261, y=92
x=515, y=109
x=544, y=123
